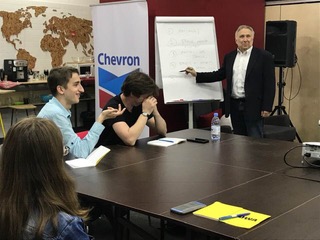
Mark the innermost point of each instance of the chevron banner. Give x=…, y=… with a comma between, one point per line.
x=120, y=45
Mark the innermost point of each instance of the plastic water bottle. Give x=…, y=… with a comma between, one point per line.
x=215, y=128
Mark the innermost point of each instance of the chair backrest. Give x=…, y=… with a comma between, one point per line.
x=279, y=127
x=278, y=120
x=203, y=112
x=82, y=134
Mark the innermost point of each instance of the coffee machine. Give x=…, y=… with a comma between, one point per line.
x=16, y=70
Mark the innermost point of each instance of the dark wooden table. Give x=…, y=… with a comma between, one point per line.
x=238, y=170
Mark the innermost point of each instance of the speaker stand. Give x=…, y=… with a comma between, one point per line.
x=282, y=109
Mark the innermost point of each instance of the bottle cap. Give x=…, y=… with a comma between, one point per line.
x=215, y=114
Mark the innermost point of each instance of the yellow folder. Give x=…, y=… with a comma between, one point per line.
x=218, y=210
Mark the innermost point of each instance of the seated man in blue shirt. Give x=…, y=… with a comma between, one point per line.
x=65, y=86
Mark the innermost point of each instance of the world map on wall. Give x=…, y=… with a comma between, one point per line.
x=58, y=31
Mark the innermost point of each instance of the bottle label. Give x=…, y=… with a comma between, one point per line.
x=215, y=130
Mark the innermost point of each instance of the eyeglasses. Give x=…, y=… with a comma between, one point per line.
x=66, y=150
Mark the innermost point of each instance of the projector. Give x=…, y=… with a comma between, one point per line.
x=311, y=150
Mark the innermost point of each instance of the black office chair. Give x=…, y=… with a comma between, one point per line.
x=279, y=127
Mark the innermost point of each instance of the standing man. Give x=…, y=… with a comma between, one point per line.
x=65, y=86
x=250, y=89
x=138, y=98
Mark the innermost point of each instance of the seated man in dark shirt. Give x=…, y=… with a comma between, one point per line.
x=138, y=97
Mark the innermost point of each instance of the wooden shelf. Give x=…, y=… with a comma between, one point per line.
x=8, y=106
x=6, y=91
x=33, y=82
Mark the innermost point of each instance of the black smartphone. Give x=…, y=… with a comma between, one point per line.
x=198, y=140
x=187, y=207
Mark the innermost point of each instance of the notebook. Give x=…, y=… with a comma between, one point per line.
x=92, y=160
x=218, y=210
x=166, y=142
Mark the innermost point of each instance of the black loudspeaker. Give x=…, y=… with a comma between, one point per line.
x=281, y=42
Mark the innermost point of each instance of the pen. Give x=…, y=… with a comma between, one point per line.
x=165, y=140
x=182, y=71
x=233, y=216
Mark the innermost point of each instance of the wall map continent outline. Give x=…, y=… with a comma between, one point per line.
x=59, y=30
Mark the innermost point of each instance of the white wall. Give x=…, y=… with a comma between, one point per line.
x=31, y=36
x=71, y=2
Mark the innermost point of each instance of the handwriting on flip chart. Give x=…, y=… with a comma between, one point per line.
x=183, y=42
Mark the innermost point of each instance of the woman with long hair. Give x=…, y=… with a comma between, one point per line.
x=37, y=197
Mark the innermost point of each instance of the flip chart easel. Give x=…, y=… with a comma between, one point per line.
x=183, y=42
